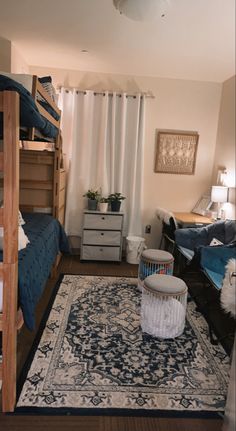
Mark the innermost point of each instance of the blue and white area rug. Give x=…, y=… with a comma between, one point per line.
x=93, y=357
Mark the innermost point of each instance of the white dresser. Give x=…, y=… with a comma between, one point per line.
x=102, y=236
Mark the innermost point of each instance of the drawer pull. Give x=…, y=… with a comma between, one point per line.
x=101, y=249
x=103, y=218
x=102, y=233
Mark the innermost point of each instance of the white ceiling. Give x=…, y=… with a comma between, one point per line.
x=195, y=40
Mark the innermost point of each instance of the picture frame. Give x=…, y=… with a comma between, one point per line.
x=202, y=205
x=176, y=152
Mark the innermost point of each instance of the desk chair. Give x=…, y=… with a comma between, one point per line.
x=169, y=225
x=168, y=235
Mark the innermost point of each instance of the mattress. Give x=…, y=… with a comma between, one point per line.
x=38, y=145
x=47, y=239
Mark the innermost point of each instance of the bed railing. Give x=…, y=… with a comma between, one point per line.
x=9, y=165
x=37, y=88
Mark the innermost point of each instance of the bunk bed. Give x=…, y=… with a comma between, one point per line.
x=39, y=114
x=33, y=181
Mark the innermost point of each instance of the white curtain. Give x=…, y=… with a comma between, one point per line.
x=103, y=140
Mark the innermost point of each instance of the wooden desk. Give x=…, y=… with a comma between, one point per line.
x=191, y=219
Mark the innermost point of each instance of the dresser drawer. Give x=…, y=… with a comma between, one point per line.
x=104, y=237
x=100, y=253
x=103, y=221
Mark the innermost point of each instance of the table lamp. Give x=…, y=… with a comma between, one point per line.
x=219, y=195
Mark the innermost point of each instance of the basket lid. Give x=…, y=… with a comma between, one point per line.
x=157, y=255
x=161, y=283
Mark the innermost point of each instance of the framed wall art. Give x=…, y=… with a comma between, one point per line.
x=176, y=152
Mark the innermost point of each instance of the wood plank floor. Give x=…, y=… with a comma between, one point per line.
x=72, y=265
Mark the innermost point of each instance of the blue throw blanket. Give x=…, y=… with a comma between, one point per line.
x=211, y=259
x=47, y=238
x=29, y=113
x=191, y=238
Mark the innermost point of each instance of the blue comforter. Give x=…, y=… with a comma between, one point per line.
x=29, y=113
x=47, y=238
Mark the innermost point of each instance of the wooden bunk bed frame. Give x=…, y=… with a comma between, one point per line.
x=20, y=182
x=42, y=182
x=9, y=163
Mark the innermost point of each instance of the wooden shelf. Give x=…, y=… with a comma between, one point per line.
x=36, y=185
x=37, y=157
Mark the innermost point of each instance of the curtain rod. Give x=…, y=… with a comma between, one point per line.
x=78, y=91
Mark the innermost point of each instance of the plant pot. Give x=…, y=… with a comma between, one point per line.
x=92, y=204
x=103, y=206
x=115, y=206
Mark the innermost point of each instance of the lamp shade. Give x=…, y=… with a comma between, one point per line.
x=141, y=10
x=219, y=194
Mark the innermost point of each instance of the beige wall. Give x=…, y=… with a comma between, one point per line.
x=5, y=55
x=10, y=58
x=225, y=154
x=178, y=104
x=18, y=63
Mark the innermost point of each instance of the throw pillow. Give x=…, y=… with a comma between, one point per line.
x=23, y=240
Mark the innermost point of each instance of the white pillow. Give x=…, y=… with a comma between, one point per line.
x=23, y=240
x=21, y=78
x=20, y=219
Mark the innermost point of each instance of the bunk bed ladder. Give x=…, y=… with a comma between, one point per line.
x=9, y=164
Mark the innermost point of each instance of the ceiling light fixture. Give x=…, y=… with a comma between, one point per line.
x=142, y=10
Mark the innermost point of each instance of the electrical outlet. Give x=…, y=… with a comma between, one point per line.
x=148, y=228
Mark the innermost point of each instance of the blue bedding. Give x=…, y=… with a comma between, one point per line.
x=47, y=238
x=213, y=261
x=29, y=113
x=191, y=238
x=194, y=243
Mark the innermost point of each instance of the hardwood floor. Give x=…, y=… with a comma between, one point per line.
x=72, y=265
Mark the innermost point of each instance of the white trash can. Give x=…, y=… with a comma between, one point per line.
x=134, y=247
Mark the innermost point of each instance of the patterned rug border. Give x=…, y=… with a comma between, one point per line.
x=94, y=411
x=30, y=356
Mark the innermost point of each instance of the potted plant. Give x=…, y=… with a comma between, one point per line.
x=115, y=201
x=103, y=204
x=93, y=197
